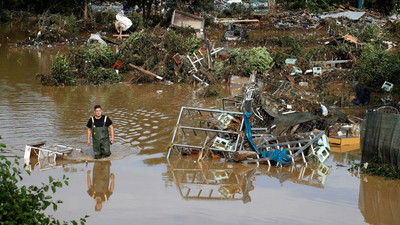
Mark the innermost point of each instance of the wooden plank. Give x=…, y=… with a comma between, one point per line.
x=236, y=21
x=343, y=140
x=145, y=71
x=344, y=148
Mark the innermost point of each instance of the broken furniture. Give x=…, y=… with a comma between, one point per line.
x=183, y=19
x=298, y=145
x=198, y=60
x=190, y=134
x=45, y=154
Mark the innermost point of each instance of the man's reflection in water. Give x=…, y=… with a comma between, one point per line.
x=100, y=189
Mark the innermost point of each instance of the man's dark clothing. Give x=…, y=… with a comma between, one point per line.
x=99, y=122
x=100, y=136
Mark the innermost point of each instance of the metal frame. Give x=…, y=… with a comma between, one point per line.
x=200, y=111
x=236, y=101
x=51, y=152
x=295, y=148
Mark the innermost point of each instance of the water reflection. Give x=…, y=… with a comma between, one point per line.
x=220, y=180
x=314, y=175
x=212, y=180
x=379, y=200
x=100, y=188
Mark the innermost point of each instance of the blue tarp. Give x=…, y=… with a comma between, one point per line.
x=276, y=155
x=247, y=127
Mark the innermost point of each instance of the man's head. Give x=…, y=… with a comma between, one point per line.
x=98, y=110
x=99, y=204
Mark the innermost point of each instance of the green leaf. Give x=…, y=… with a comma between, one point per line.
x=54, y=206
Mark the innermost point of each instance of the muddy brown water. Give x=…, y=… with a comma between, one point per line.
x=139, y=186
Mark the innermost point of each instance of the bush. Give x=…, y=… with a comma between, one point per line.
x=377, y=66
x=174, y=42
x=56, y=27
x=20, y=204
x=257, y=59
x=101, y=75
x=137, y=21
x=315, y=6
x=4, y=16
x=106, y=19
x=61, y=71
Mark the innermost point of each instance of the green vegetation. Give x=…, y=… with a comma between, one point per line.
x=255, y=59
x=92, y=64
x=377, y=168
x=56, y=27
x=61, y=73
x=236, y=11
x=377, y=66
x=319, y=6
x=21, y=204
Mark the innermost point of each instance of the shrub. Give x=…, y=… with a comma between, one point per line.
x=174, y=42
x=21, y=204
x=103, y=75
x=61, y=71
x=377, y=66
x=137, y=21
x=257, y=59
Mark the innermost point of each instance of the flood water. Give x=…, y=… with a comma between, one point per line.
x=139, y=186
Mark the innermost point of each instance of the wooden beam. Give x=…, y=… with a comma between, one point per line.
x=145, y=71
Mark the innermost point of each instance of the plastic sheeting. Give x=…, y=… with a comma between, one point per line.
x=247, y=127
x=380, y=138
x=278, y=155
x=122, y=22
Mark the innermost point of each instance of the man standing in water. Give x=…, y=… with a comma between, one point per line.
x=98, y=126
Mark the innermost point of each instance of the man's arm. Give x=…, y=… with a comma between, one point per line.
x=89, y=183
x=111, y=189
x=112, y=133
x=89, y=132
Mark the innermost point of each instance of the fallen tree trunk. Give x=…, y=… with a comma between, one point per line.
x=145, y=71
x=244, y=155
